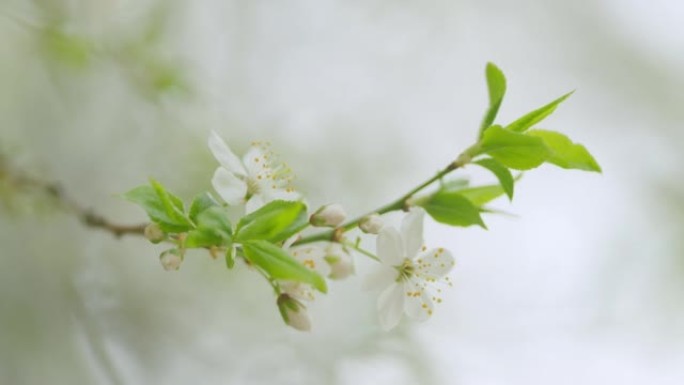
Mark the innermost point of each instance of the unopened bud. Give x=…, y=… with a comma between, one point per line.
x=154, y=233
x=294, y=313
x=328, y=216
x=171, y=259
x=341, y=263
x=371, y=224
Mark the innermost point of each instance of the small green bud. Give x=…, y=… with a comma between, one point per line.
x=171, y=259
x=294, y=313
x=154, y=233
x=371, y=224
x=328, y=216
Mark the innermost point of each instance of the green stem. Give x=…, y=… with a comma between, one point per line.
x=399, y=204
x=361, y=250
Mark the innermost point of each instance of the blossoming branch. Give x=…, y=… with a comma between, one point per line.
x=297, y=251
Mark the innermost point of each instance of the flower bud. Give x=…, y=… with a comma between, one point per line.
x=154, y=233
x=294, y=313
x=171, y=259
x=341, y=263
x=371, y=224
x=328, y=216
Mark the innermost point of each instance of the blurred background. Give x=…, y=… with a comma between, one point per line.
x=364, y=99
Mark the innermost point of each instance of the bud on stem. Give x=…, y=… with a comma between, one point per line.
x=294, y=313
x=371, y=224
x=328, y=216
x=171, y=259
x=154, y=233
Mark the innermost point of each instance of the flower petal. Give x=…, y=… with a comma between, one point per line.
x=229, y=187
x=434, y=264
x=381, y=277
x=391, y=306
x=419, y=303
x=272, y=194
x=390, y=247
x=254, y=203
x=224, y=155
x=312, y=257
x=412, y=231
x=298, y=290
x=255, y=162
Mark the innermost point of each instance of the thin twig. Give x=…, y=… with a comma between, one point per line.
x=88, y=217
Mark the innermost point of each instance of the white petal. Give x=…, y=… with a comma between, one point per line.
x=254, y=203
x=224, y=155
x=412, y=231
x=391, y=306
x=390, y=247
x=312, y=257
x=271, y=194
x=380, y=278
x=229, y=187
x=297, y=290
x=418, y=303
x=434, y=264
x=254, y=161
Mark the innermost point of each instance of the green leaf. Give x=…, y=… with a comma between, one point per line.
x=230, y=257
x=536, y=116
x=501, y=172
x=452, y=208
x=276, y=221
x=278, y=264
x=201, y=202
x=496, y=84
x=453, y=184
x=513, y=150
x=202, y=238
x=213, y=229
x=172, y=204
x=482, y=194
x=149, y=200
x=565, y=153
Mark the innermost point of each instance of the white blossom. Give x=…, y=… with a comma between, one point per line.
x=255, y=180
x=340, y=261
x=410, y=274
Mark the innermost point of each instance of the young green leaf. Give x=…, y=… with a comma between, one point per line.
x=536, y=116
x=149, y=200
x=513, y=150
x=501, y=172
x=213, y=229
x=276, y=221
x=453, y=184
x=565, y=153
x=200, y=203
x=452, y=208
x=172, y=204
x=278, y=264
x=230, y=257
x=496, y=84
x=482, y=195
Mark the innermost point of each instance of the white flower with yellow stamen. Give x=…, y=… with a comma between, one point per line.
x=255, y=180
x=408, y=272
x=312, y=257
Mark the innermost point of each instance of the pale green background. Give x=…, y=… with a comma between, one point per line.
x=363, y=99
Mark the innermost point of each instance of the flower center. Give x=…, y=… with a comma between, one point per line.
x=406, y=270
x=253, y=187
